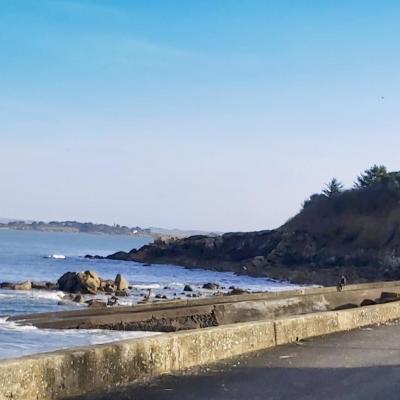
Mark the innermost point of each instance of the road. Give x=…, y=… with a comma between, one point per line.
x=362, y=364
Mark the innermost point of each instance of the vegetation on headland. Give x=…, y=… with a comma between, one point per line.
x=353, y=231
x=74, y=226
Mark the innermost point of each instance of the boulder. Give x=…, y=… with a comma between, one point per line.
x=27, y=285
x=91, y=280
x=211, y=286
x=121, y=283
x=188, y=288
x=79, y=282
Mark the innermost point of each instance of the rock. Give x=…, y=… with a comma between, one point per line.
x=79, y=282
x=95, y=257
x=389, y=295
x=39, y=285
x=112, y=301
x=96, y=303
x=78, y=298
x=367, y=302
x=27, y=285
x=188, y=288
x=69, y=282
x=236, y=291
x=108, y=286
x=121, y=283
x=121, y=293
x=5, y=285
x=51, y=286
x=211, y=286
x=345, y=306
x=91, y=280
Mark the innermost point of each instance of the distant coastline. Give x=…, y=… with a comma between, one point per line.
x=75, y=227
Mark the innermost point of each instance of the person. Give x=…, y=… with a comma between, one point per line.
x=342, y=282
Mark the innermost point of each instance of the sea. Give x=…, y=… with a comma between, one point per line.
x=26, y=255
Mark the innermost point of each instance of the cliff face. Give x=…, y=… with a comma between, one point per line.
x=355, y=232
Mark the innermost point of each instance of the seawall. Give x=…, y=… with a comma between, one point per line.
x=69, y=373
x=213, y=311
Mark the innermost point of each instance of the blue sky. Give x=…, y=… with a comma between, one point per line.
x=219, y=115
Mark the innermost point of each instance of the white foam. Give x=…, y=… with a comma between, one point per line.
x=18, y=340
x=45, y=294
x=5, y=324
x=6, y=296
x=148, y=286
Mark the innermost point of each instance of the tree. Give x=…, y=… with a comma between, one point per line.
x=333, y=188
x=376, y=173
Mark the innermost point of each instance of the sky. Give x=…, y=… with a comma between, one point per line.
x=219, y=115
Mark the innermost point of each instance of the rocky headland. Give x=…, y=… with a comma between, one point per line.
x=354, y=232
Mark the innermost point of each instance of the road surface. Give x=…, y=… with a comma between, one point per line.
x=362, y=364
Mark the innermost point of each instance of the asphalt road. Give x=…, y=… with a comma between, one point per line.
x=362, y=364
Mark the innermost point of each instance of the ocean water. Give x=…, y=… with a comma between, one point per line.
x=24, y=256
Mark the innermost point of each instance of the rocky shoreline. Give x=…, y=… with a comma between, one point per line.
x=88, y=288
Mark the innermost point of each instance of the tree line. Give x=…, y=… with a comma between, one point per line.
x=371, y=176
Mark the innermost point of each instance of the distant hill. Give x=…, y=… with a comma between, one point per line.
x=179, y=233
x=72, y=226
x=354, y=232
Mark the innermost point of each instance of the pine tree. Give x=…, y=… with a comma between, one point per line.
x=332, y=188
x=376, y=173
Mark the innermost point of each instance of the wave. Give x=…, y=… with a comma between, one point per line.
x=5, y=324
x=56, y=256
x=50, y=295
x=147, y=286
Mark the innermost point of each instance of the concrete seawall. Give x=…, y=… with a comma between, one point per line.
x=73, y=372
x=214, y=311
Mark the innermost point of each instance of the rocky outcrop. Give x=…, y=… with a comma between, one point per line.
x=89, y=282
x=355, y=233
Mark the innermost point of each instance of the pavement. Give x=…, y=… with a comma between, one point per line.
x=361, y=364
